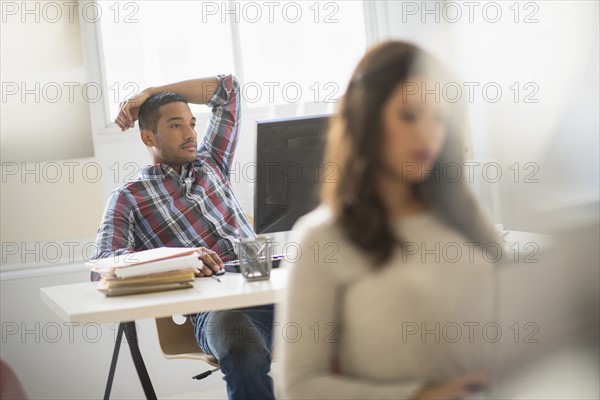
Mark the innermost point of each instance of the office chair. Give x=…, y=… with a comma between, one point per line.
x=178, y=341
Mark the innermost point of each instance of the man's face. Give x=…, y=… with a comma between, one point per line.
x=175, y=142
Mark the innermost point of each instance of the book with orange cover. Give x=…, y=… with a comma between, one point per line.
x=170, y=280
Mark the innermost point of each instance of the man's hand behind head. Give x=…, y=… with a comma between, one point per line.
x=130, y=109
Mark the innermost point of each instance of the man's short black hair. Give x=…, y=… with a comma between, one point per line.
x=149, y=114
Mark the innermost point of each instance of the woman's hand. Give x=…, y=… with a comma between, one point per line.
x=130, y=109
x=457, y=388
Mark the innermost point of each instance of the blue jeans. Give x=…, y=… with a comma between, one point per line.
x=241, y=339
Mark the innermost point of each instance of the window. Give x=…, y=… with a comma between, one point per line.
x=309, y=60
x=284, y=53
x=156, y=42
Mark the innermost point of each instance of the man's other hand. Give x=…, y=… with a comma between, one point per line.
x=212, y=262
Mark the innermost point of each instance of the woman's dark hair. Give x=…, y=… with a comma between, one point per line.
x=354, y=147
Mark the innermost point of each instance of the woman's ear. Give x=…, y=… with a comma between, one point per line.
x=147, y=137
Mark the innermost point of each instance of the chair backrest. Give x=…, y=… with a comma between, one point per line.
x=179, y=341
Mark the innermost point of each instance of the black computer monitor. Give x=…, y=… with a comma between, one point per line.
x=289, y=157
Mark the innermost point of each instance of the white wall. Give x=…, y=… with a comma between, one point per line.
x=44, y=103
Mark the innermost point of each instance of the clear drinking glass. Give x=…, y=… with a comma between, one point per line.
x=255, y=257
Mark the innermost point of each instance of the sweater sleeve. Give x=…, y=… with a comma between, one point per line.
x=311, y=330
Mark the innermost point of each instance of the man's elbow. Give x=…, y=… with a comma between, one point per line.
x=235, y=84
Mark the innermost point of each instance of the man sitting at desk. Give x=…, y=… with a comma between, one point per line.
x=185, y=199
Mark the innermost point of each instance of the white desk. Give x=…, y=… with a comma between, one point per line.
x=81, y=302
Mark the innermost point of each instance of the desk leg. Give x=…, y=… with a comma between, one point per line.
x=132, y=340
x=113, y=363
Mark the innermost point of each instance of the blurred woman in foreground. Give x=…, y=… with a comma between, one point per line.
x=394, y=283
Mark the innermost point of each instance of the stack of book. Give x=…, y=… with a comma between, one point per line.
x=163, y=268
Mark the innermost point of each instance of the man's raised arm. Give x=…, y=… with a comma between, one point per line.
x=196, y=91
